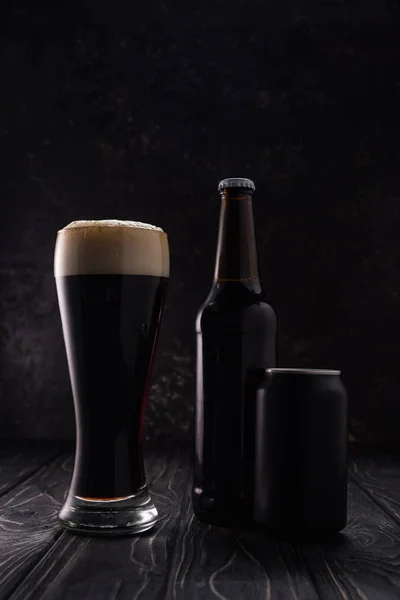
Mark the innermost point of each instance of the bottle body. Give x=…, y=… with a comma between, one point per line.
x=236, y=332
x=236, y=339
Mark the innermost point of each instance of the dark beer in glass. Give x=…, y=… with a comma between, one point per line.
x=236, y=333
x=111, y=279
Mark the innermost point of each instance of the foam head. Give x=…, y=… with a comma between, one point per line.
x=111, y=247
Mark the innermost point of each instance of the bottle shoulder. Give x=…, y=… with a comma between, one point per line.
x=236, y=309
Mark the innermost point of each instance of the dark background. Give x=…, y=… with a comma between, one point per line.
x=109, y=111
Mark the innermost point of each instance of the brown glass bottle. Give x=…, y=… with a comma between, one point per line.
x=236, y=341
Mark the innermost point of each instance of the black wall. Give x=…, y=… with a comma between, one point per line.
x=109, y=111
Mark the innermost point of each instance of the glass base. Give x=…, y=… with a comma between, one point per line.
x=116, y=516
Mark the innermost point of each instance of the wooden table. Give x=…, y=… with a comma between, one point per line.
x=182, y=558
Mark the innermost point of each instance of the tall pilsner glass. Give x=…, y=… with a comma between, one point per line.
x=111, y=279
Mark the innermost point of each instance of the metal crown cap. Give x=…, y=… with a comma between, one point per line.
x=236, y=182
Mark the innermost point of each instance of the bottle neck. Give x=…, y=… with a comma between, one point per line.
x=236, y=253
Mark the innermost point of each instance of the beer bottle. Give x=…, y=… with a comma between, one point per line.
x=236, y=341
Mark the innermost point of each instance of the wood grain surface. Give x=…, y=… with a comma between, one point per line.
x=378, y=473
x=131, y=567
x=362, y=563
x=213, y=562
x=182, y=558
x=28, y=521
x=19, y=460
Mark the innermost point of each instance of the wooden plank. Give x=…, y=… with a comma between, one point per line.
x=19, y=460
x=80, y=568
x=180, y=559
x=28, y=521
x=364, y=562
x=378, y=473
x=212, y=562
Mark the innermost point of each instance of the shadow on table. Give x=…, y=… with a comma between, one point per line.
x=193, y=561
x=242, y=564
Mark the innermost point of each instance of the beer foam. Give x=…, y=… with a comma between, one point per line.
x=111, y=247
x=112, y=223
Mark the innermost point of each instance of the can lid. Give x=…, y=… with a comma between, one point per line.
x=236, y=182
x=285, y=371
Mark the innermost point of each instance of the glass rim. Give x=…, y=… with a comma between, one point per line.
x=303, y=371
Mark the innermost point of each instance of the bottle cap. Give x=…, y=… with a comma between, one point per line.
x=236, y=182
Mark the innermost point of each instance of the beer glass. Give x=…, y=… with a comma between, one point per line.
x=111, y=279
